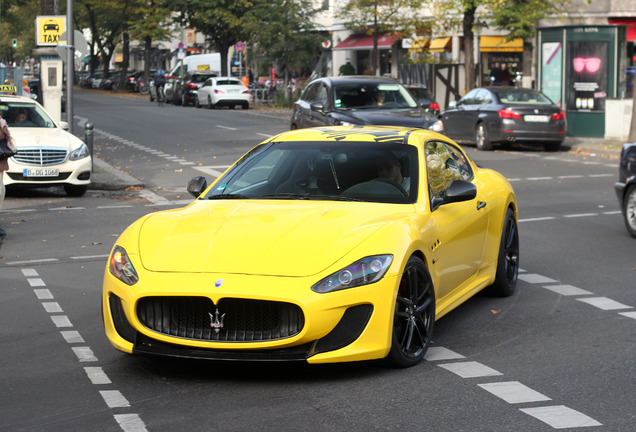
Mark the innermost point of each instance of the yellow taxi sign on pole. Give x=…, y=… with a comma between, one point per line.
x=48, y=29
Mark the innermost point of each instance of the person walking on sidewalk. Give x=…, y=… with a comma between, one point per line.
x=4, y=164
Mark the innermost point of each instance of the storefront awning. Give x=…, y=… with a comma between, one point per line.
x=497, y=44
x=365, y=42
x=629, y=22
x=439, y=44
x=419, y=44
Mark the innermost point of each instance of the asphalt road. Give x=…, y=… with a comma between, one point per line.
x=559, y=354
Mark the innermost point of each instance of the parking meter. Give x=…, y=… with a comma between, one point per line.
x=51, y=77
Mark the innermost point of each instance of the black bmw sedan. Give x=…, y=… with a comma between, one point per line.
x=359, y=100
x=626, y=186
x=491, y=115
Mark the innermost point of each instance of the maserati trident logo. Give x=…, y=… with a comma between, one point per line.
x=216, y=321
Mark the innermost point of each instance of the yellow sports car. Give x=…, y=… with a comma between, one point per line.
x=329, y=244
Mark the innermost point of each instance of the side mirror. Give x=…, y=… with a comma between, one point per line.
x=457, y=191
x=317, y=106
x=196, y=186
x=64, y=125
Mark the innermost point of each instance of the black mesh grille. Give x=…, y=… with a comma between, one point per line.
x=245, y=320
x=40, y=156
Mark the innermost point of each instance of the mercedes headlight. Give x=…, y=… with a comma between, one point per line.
x=121, y=267
x=362, y=272
x=80, y=153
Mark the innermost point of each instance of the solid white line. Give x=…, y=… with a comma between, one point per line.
x=29, y=272
x=604, y=303
x=580, y=215
x=32, y=261
x=441, y=353
x=61, y=321
x=52, y=307
x=539, y=178
x=567, y=290
x=17, y=211
x=130, y=423
x=612, y=212
x=561, y=417
x=36, y=282
x=97, y=375
x=537, y=219
x=571, y=177
x=534, y=278
x=89, y=257
x=72, y=336
x=67, y=208
x=114, y=399
x=113, y=207
x=514, y=392
x=602, y=175
x=43, y=294
x=226, y=127
x=84, y=354
x=470, y=369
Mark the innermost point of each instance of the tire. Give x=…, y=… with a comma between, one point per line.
x=508, y=259
x=629, y=210
x=144, y=89
x=552, y=146
x=197, y=104
x=245, y=106
x=414, y=317
x=152, y=99
x=75, y=190
x=210, y=106
x=481, y=138
x=184, y=102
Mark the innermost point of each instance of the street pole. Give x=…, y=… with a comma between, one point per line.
x=70, y=65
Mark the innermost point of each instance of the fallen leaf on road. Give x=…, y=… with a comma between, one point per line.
x=495, y=312
x=96, y=243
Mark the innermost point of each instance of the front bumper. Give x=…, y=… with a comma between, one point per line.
x=347, y=325
x=70, y=172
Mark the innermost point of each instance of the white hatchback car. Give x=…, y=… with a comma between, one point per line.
x=223, y=91
x=48, y=155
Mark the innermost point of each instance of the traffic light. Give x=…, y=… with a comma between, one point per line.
x=14, y=43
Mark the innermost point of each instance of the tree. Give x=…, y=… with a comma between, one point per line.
x=224, y=22
x=285, y=32
x=379, y=17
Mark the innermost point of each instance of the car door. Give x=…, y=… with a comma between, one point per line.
x=462, y=226
x=457, y=124
x=319, y=107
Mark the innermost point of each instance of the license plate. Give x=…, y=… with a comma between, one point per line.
x=232, y=91
x=537, y=118
x=42, y=172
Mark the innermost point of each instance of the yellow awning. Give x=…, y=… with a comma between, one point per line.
x=419, y=44
x=439, y=44
x=497, y=44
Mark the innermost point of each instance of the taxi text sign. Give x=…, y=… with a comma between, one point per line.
x=48, y=29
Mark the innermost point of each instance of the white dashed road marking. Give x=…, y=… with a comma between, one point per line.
x=561, y=417
x=604, y=303
x=470, y=369
x=514, y=392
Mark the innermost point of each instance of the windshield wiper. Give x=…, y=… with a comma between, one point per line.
x=285, y=196
x=228, y=196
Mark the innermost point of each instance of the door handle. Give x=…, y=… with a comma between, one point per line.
x=481, y=205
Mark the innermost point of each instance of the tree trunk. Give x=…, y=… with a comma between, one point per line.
x=469, y=20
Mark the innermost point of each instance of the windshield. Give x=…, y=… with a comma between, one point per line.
x=372, y=96
x=24, y=114
x=331, y=171
x=525, y=97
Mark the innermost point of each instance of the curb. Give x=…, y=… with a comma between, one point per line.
x=106, y=177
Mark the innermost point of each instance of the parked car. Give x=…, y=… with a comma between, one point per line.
x=495, y=115
x=96, y=79
x=184, y=90
x=425, y=98
x=87, y=81
x=357, y=100
x=319, y=245
x=131, y=80
x=223, y=91
x=110, y=83
x=47, y=154
x=626, y=186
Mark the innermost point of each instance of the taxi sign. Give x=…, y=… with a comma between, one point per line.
x=48, y=29
x=8, y=89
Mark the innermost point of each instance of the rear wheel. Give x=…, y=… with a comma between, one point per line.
x=414, y=317
x=210, y=106
x=629, y=210
x=552, y=146
x=197, y=104
x=481, y=138
x=508, y=261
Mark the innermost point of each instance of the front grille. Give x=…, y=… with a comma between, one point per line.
x=245, y=320
x=40, y=156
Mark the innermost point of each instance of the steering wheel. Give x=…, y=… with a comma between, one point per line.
x=394, y=184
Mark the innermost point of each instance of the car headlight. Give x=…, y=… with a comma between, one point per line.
x=438, y=126
x=121, y=267
x=362, y=272
x=80, y=153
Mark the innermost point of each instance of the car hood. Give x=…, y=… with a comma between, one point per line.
x=258, y=237
x=416, y=117
x=41, y=137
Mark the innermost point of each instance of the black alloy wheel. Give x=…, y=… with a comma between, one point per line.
x=414, y=317
x=481, y=138
x=629, y=210
x=210, y=106
x=508, y=261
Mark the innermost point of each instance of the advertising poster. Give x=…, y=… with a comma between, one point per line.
x=552, y=70
x=588, y=76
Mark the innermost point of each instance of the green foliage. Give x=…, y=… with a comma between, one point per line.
x=18, y=21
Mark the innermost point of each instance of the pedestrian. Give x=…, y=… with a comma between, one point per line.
x=4, y=163
x=250, y=76
x=246, y=81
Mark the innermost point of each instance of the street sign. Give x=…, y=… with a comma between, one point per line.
x=48, y=29
x=81, y=46
x=180, y=45
x=240, y=46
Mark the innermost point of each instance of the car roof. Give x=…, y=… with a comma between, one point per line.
x=15, y=98
x=358, y=78
x=377, y=134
